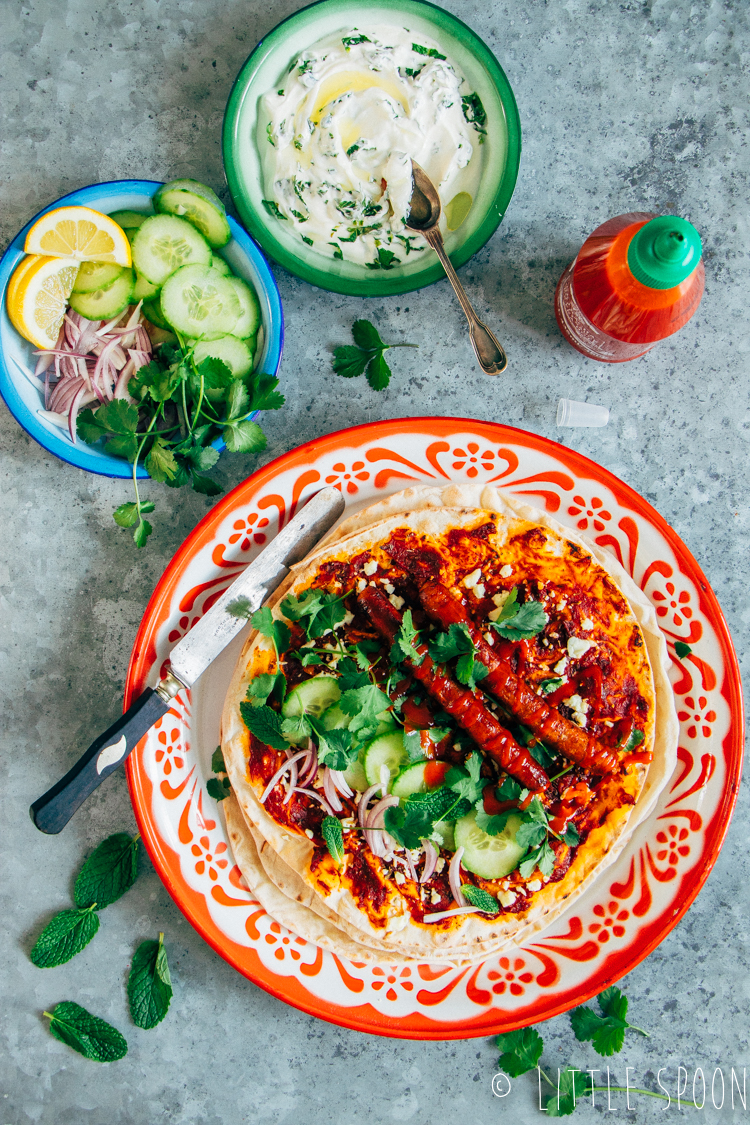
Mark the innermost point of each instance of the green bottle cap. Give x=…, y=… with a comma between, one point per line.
x=664, y=252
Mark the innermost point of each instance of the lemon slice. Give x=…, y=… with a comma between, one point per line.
x=38, y=295
x=79, y=232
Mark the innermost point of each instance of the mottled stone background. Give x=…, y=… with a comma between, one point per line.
x=636, y=105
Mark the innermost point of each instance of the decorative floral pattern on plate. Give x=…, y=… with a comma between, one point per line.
x=620, y=919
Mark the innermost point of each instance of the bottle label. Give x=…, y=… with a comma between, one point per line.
x=585, y=336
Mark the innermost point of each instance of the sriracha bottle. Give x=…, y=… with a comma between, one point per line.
x=636, y=280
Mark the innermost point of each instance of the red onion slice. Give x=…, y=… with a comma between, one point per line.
x=280, y=773
x=430, y=861
x=454, y=878
x=342, y=785
x=316, y=796
x=312, y=769
x=376, y=812
x=410, y=865
x=330, y=791
x=450, y=913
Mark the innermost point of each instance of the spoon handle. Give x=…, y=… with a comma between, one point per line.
x=489, y=352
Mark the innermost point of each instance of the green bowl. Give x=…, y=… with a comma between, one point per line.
x=270, y=60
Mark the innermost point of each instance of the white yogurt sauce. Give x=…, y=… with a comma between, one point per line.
x=338, y=134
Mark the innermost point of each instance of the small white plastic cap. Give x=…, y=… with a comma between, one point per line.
x=571, y=413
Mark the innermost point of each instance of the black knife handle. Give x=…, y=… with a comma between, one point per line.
x=52, y=811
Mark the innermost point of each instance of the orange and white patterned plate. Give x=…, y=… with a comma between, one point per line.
x=609, y=929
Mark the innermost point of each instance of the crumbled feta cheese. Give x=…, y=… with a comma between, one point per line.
x=489, y=638
x=506, y=898
x=579, y=707
x=577, y=647
x=396, y=601
x=348, y=617
x=309, y=833
x=494, y=614
x=506, y=571
x=471, y=580
x=561, y=606
x=400, y=877
x=361, y=583
x=587, y=623
x=348, y=822
x=501, y=598
x=400, y=922
x=389, y=588
x=479, y=590
x=534, y=885
x=439, y=866
x=370, y=567
x=434, y=897
x=561, y=666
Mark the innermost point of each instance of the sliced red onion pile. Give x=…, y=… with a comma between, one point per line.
x=92, y=361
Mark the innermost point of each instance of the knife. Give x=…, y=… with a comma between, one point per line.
x=189, y=658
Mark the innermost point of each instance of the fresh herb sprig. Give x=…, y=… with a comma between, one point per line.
x=521, y=1052
x=91, y=1036
x=516, y=621
x=219, y=787
x=457, y=642
x=350, y=361
x=180, y=408
x=149, y=984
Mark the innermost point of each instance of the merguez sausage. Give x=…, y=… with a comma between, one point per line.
x=468, y=711
x=561, y=734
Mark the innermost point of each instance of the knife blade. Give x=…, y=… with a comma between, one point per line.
x=188, y=660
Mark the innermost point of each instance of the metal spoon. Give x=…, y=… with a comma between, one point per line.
x=424, y=215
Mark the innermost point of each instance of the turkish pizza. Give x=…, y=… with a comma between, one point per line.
x=444, y=725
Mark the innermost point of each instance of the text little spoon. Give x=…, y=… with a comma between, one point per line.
x=424, y=216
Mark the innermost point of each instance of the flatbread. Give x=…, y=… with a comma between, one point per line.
x=287, y=854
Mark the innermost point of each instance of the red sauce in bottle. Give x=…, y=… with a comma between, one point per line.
x=619, y=298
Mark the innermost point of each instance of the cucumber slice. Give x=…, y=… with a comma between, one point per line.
x=445, y=831
x=199, y=205
x=491, y=857
x=388, y=750
x=103, y=304
x=143, y=289
x=235, y=353
x=95, y=275
x=129, y=220
x=410, y=780
x=249, y=320
x=199, y=302
x=164, y=243
x=355, y=775
x=152, y=312
x=312, y=697
x=219, y=264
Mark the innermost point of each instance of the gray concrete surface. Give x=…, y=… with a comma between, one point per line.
x=640, y=104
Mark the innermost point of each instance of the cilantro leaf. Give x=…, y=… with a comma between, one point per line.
x=682, y=649
x=117, y=421
x=66, y=934
x=276, y=631
x=431, y=52
x=540, y=754
x=542, y=857
x=413, y=745
x=516, y=622
x=349, y=361
x=467, y=782
x=317, y=610
x=264, y=685
x=606, y=1033
x=455, y=642
x=521, y=1051
x=531, y=835
x=494, y=824
x=486, y=902
x=408, y=825
x=572, y=1086
x=205, y=485
x=265, y=724
x=570, y=836
x=336, y=748
x=218, y=765
x=149, y=984
x=142, y=532
x=92, y=1037
x=297, y=727
x=378, y=372
x=364, y=704
x=406, y=641
x=366, y=336
x=613, y=1002
x=334, y=837
x=219, y=790
x=160, y=463
x=469, y=669
x=350, y=676
x=263, y=393
x=385, y=260
x=108, y=873
x=510, y=790
x=311, y=658
x=244, y=437
x=551, y=684
x=215, y=373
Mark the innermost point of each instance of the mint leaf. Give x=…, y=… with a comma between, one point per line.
x=385, y=260
x=486, y=902
x=521, y=1051
x=149, y=984
x=431, y=52
x=66, y=934
x=572, y=1086
x=682, y=649
x=92, y=1037
x=406, y=641
x=108, y=873
x=352, y=40
x=334, y=838
x=349, y=361
x=265, y=724
x=366, y=336
x=269, y=204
